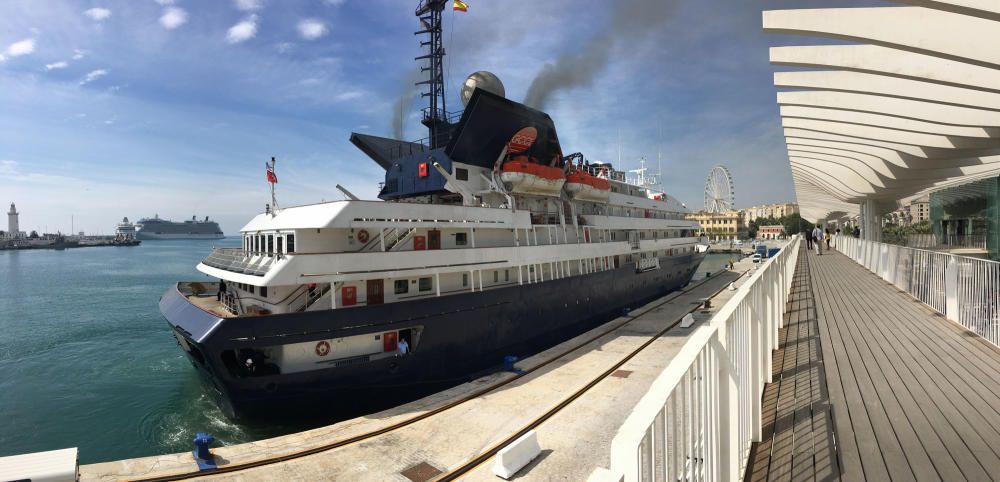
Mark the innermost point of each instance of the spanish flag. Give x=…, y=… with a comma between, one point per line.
x=460, y=6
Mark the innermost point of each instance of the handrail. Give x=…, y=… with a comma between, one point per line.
x=703, y=412
x=962, y=288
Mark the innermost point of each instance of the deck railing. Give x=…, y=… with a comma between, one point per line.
x=239, y=261
x=703, y=412
x=964, y=289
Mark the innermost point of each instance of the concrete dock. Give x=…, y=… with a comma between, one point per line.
x=604, y=372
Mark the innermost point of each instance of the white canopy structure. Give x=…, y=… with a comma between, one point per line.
x=912, y=106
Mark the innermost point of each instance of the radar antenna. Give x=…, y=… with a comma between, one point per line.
x=435, y=115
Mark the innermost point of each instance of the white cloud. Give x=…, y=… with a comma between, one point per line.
x=284, y=47
x=334, y=2
x=173, y=17
x=311, y=29
x=8, y=167
x=351, y=95
x=243, y=31
x=2, y=58
x=93, y=75
x=165, y=2
x=248, y=5
x=22, y=47
x=79, y=54
x=56, y=65
x=98, y=13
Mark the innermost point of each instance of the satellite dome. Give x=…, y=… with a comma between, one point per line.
x=481, y=80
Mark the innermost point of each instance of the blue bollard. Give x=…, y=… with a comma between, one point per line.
x=201, y=452
x=508, y=362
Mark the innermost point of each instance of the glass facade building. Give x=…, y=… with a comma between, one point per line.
x=968, y=216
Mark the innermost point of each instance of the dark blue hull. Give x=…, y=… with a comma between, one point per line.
x=462, y=336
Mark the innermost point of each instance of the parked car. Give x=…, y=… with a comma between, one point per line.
x=757, y=258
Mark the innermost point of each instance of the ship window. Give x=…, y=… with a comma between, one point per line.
x=290, y=240
x=402, y=286
x=465, y=280
x=506, y=275
x=461, y=239
x=461, y=174
x=263, y=291
x=277, y=245
x=425, y=284
x=270, y=243
x=496, y=276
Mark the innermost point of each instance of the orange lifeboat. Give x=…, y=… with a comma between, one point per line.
x=583, y=186
x=521, y=175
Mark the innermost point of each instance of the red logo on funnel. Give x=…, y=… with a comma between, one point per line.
x=522, y=140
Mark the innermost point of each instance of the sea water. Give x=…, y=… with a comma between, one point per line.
x=87, y=361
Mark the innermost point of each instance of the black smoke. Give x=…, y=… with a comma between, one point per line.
x=631, y=21
x=408, y=92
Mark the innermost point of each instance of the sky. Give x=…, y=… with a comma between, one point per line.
x=132, y=108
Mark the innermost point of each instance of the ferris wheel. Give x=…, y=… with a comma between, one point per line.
x=720, y=193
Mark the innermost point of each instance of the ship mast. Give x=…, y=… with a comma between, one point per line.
x=435, y=115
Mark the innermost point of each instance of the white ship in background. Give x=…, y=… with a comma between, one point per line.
x=156, y=228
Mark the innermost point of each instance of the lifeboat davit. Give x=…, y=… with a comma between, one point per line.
x=520, y=175
x=583, y=186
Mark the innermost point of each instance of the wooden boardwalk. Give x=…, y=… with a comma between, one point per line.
x=870, y=384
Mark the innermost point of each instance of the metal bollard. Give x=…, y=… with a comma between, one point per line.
x=508, y=362
x=201, y=452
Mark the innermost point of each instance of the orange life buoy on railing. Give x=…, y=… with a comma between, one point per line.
x=323, y=348
x=363, y=236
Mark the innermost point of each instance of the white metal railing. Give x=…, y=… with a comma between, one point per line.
x=703, y=412
x=964, y=289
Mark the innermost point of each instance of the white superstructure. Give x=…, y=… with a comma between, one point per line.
x=364, y=252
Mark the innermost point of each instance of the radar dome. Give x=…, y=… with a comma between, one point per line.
x=481, y=80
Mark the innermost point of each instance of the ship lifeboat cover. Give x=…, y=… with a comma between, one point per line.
x=583, y=186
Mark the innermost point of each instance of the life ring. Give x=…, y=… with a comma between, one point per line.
x=323, y=348
x=363, y=236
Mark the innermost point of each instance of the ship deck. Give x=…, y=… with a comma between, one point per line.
x=211, y=305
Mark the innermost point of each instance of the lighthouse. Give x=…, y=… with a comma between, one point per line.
x=13, y=230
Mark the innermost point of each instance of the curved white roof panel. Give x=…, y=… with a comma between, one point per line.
x=912, y=107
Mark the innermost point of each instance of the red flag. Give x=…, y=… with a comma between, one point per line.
x=271, y=176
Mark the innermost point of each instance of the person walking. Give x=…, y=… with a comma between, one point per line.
x=809, y=239
x=817, y=235
x=826, y=237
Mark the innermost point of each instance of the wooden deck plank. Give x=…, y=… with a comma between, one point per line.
x=803, y=465
x=907, y=418
x=878, y=441
x=874, y=385
x=940, y=376
x=781, y=448
x=959, y=420
x=793, y=402
x=951, y=457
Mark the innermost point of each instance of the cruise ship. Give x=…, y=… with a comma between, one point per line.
x=125, y=229
x=486, y=242
x=156, y=228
